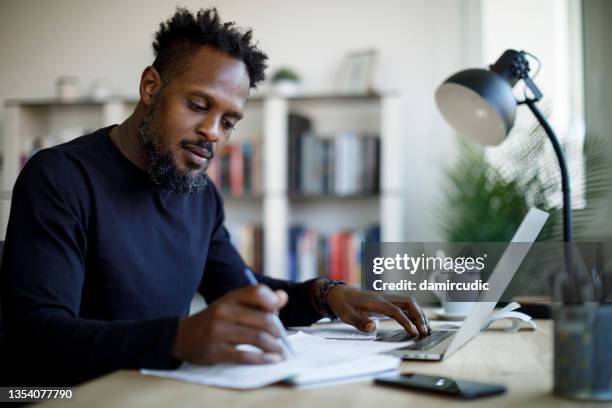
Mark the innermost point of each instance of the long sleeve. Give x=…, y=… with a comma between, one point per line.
x=42, y=279
x=224, y=272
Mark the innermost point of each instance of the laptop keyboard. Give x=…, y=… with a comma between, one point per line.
x=423, y=343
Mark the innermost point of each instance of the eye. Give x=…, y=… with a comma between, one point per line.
x=197, y=107
x=228, y=125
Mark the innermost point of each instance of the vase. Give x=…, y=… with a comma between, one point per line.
x=583, y=351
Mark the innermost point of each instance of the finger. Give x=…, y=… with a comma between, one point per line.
x=395, y=313
x=259, y=296
x=231, y=354
x=255, y=318
x=282, y=296
x=415, y=313
x=240, y=334
x=361, y=322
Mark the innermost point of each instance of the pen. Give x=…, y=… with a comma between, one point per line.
x=281, y=329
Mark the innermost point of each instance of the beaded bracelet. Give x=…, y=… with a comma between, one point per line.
x=324, y=288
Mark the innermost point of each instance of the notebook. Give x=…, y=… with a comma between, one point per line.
x=317, y=361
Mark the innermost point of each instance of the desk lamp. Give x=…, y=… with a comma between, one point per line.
x=479, y=104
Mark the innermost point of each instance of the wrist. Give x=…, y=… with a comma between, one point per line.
x=321, y=290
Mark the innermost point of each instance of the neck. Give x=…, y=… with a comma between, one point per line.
x=127, y=138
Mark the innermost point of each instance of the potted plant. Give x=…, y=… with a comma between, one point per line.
x=484, y=203
x=285, y=82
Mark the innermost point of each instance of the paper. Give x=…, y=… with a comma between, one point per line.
x=343, y=331
x=354, y=370
x=444, y=325
x=313, y=354
x=340, y=331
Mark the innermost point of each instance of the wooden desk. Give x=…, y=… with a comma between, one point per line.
x=522, y=361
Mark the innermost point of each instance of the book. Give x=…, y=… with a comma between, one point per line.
x=236, y=169
x=256, y=168
x=299, y=125
x=294, y=234
x=335, y=256
x=344, y=164
x=247, y=171
x=224, y=160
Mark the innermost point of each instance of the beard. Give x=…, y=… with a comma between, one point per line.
x=162, y=167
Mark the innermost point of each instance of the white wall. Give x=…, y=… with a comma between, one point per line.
x=420, y=43
x=551, y=30
x=541, y=28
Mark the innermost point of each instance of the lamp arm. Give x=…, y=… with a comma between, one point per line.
x=565, y=182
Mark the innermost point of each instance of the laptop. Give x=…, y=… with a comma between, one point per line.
x=443, y=342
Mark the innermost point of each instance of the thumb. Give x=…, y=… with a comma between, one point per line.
x=362, y=323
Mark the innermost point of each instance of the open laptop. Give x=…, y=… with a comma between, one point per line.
x=443, y=342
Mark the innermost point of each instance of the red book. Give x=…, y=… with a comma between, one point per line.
x=335, y=256
x=345, y=254
x=236, y=170
x=349, y=253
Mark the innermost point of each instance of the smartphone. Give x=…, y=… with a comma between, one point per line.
x=441, y=385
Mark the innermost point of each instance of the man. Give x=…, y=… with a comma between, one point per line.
x=111, y=234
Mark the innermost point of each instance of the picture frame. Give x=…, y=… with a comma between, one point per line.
x=357, y=72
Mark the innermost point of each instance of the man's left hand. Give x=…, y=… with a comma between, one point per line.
x=353, y=306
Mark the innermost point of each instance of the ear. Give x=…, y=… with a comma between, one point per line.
x=150, y=84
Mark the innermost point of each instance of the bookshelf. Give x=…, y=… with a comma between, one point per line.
x=50, y=121
x=275, y=208
x=324, y=212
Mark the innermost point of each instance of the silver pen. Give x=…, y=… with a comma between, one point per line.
x=279, y=325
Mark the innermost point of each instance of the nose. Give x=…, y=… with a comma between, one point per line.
x=209, y=128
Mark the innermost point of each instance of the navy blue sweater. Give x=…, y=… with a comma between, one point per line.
x=100, y=263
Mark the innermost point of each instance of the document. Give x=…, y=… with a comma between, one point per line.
x=316, y=359
x=340, y=330
x=349, y=371
x=343, y=331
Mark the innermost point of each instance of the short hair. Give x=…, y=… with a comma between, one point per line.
x=184, y=33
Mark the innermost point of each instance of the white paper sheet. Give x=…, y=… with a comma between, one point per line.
x=312, y=354
x=340, y=330
x=355, y=370
x=343, y=331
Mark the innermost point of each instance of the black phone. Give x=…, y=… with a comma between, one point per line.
x=441, y=385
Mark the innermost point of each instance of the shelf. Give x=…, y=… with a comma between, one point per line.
x=55, y=102
x=332, y=197
x=85, y=100
x=276, y=208
x=322, y=97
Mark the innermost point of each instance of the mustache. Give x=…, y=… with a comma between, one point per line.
x=208, y=146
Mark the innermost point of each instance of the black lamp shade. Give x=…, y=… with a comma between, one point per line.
x=478, y=104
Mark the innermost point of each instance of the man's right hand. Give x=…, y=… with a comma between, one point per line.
x=242, y=316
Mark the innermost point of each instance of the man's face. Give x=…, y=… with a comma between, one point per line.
x=194, y=112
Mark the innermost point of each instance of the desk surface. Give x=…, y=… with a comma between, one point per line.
x=522, y=361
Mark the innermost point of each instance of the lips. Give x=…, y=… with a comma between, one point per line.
x=199, y=151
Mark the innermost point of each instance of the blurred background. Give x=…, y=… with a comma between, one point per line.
x=343, y=144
